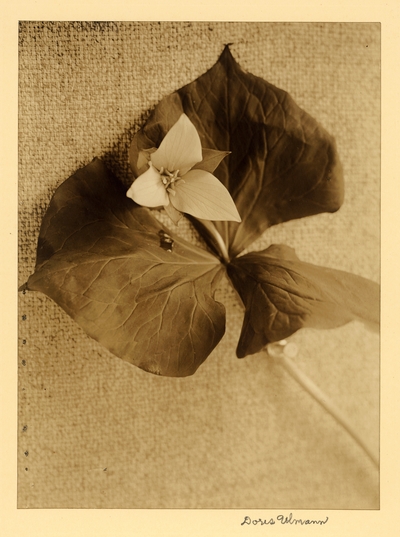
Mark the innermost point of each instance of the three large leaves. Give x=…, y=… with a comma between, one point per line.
x=105, y=260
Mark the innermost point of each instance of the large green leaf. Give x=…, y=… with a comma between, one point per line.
x=143, y=293
x=283, y=164
x=282, y=294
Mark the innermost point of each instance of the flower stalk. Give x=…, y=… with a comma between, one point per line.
x=277, y=350
x=218, y=240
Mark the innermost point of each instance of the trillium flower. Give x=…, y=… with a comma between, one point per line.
x=177, y=177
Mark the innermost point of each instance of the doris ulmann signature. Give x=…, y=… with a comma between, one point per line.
x=282, y=519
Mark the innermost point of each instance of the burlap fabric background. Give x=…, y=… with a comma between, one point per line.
x=96, y=432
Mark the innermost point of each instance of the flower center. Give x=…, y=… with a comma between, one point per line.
x=170, y=179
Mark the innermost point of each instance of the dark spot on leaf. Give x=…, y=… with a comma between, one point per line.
x=24, y=428
x=26, y=453
x=166, y=242
x=24, y=317
x=23, y=362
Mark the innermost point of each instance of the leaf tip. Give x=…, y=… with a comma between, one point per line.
x=226, y=53
x=22, y=288
x=240, y=353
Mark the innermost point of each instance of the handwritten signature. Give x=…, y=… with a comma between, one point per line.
x=283, y=520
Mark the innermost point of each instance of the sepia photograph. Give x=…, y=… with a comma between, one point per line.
x=199, y=267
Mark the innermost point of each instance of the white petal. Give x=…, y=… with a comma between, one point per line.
x=148, y=190
x=202, y=195
x=180, y=149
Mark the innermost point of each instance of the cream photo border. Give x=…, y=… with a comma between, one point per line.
x=210, y=523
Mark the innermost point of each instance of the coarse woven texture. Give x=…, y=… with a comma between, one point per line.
x=96, y=432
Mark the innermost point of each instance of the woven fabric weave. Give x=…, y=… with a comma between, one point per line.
x=96, y=432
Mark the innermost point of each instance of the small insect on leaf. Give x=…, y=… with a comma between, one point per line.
x=166, y=242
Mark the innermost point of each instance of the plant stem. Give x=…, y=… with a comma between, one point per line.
x=217, y=237
x=327, y=404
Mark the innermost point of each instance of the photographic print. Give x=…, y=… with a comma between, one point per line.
x=199, y=266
